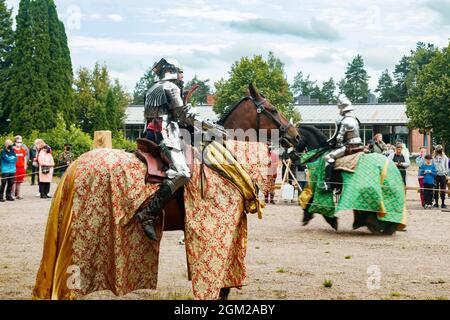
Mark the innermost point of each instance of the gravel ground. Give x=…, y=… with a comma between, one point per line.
x=284, y=260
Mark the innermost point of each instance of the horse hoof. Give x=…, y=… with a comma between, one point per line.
x=224, y=293
x=307, y=217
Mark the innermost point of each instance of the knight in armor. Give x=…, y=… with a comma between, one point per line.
x=165, y=98
x=346, y=137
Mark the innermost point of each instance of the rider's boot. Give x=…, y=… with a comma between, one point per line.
x=150, y=214
x=329, y=168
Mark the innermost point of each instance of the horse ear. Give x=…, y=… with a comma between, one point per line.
x=254, y=92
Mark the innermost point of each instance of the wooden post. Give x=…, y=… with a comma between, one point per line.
x=102, y=139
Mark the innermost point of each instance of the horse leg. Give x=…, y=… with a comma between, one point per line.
x=382, y=228
x=332, y=221
x=307, y=216
x=359, y=219
x=224, y=293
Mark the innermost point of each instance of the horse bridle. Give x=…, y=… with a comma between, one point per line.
x=260, y=109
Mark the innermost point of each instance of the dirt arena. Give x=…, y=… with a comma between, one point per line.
x=284, y=260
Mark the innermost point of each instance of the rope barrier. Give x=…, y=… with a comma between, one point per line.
x=30, y=174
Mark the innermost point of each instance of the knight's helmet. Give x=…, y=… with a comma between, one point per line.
x=167, y=69
x=344, y=104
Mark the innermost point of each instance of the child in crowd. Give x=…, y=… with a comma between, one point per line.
x=428, y=172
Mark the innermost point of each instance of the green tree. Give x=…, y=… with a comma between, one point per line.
x=142, y=86
x=356, y=86
x=200, y=96
x=41, y=73
x=6, y=48
x=271, y=81
x=121, y=100
x=60, y=74
x=302, y=86
x=405, y=72
x=386, y=88
x=429, y=107
x=31, y=102
x=100, y=103
x=328, y=92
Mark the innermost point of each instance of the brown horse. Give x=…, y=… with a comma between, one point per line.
x=90, y=224
x=253, y=113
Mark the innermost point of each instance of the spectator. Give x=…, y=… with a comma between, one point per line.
x=273, y=171
x=420, y=160
x=65, y=159
x=34, y=151
x=400, y=161
x=369, y=148
x=441, y=162
x=378, y=145
x=390, y=149
x=21, y=167
x=428, y=172
x=8, y=163
x=405, y=150
x=46, y=165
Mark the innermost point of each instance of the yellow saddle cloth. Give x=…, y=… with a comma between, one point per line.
x=220, y=158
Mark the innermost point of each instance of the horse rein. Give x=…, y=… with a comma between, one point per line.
x=260, y=109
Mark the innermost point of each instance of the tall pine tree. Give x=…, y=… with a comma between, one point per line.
x=141, y=88
x=6, y=47
x=328, y=94
x=60, y=76
x=22, y=73
x=386, y=88
x=41, y=77
x=356, y=86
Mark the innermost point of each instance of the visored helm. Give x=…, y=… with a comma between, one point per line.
x=344, y=104
x=167, y=69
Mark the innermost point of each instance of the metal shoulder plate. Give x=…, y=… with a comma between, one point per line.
x=350, y=123
x=173, y=95
x=156, y=96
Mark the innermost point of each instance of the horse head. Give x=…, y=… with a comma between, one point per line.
x=256, y=112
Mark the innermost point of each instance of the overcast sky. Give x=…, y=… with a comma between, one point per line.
x=318, y=37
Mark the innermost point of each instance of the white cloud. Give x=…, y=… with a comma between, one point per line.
x=207, y=13
x=115, y=17
x=135, y=48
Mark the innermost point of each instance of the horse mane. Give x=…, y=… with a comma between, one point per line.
x=313, y=138
x=317, y=133
x=229, y=110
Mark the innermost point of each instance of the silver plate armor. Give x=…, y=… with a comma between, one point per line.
x=347, y=130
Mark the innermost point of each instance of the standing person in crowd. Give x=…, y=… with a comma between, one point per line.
x=378, y=145
x=8, y=163
x=400, y=161
x=441, y=162
x=420, y=160
x=21, y=167
x=273, y=172
x=428, y=172
x=46, y=165
x=34, y=151
x=65, y=158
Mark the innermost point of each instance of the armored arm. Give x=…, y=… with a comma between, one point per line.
x=184, y=113
x=341, y=135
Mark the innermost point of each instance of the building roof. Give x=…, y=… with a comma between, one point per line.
x=134, y=114
x=391, y=113
x=315, y=114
